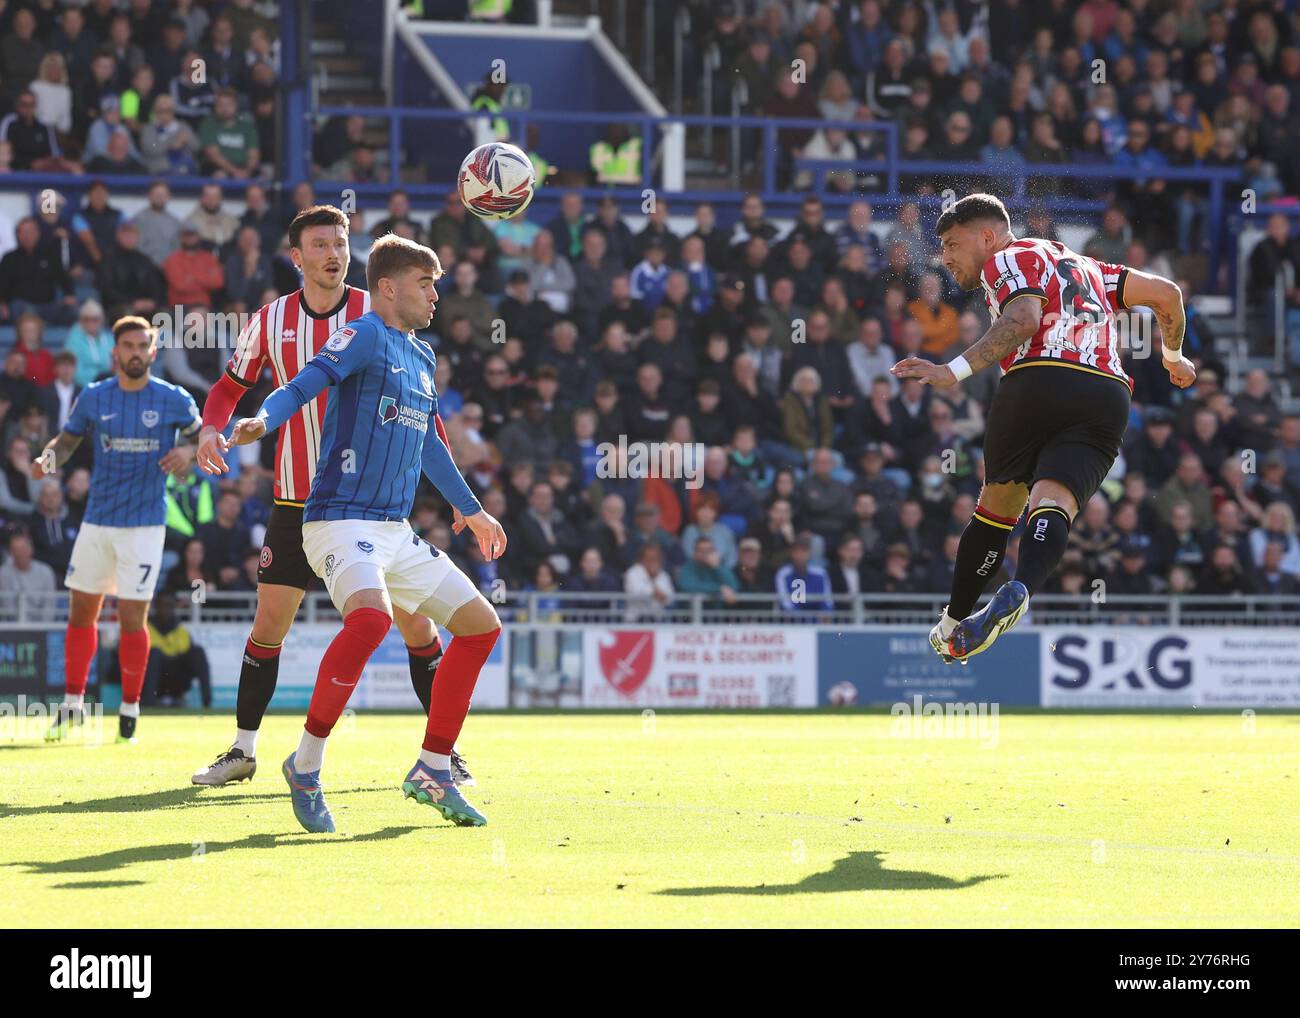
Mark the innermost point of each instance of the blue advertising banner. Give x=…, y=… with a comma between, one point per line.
x=886, y=666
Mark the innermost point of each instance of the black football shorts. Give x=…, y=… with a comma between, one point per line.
x=1058, y=423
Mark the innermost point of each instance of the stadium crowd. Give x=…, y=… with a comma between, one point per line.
x=562, y=338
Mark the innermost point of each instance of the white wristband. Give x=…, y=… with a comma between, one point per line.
x=1164, y=353
x=960, y=368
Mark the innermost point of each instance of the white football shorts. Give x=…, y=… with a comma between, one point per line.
x=353, y=555
x=116, y=560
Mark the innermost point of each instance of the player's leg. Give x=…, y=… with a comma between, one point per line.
x=367, y=617
x=1084, y=417
x=277, y=606
x=81, y=643
x=423, y=651
x=423, y=654
x=1010, y=450
x=283, y=575
x=133, y=659
x=1052, y=509
x=139, y=553
x=350, y=556
x=474, y=626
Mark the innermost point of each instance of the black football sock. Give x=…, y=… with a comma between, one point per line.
x=1047, y=532
x=257, y=680
x=979, y=556
x=424, y=663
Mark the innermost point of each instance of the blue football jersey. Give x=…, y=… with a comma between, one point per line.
x=132, y=431
x=376, y=420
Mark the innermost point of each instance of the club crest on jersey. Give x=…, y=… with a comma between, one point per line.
x=149, y=417
x=265, y=559
x=341, y=339
x=387, y=409
x=366, y=546
x=427, y=382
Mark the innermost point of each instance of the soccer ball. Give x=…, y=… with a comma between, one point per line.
x=496, y=181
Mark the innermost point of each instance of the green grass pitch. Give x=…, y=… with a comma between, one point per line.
x=691, y=820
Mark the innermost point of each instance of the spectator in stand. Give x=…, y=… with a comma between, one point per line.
x=117, y=159
x=52, y=529
x=806, y=414
x=57, y=398
x=1153, y=452
x=24, y=577
x=17, y=489
x=1187, y=485
x=193, y=274
x=1278, y=526
x=225, y=540
x=648, y=586
x=160, y=231
x=1225, y=575
x=128, y=281
x=550, y=275
x=91, y=342
x=802, y=586
x=191, y=91
x=705, y=573
x=29, y=333
x=215, y=227
x=32, y=278
x=938, y=320
x=1132, y=577
x=168, y=144
x=247, y=271
x=229, y=139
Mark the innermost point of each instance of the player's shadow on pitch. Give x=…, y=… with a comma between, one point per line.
x=168, y=798
x=175, y=852
x=857, y=871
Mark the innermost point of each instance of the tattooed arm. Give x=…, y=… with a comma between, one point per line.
x=1162, y=296
x=1018, y=322
x=56, y=453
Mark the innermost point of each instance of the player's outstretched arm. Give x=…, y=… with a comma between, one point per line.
x=1161, y=295
x=282, y=404
x=447, y=478
x=56, y=453
x=458, y=518
x=1018, y=322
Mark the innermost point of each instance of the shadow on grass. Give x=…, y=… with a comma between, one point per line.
x=94, y=885
x=175, y=852
x=857, y=871
x=168, y=798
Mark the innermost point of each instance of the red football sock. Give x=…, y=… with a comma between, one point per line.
x=78, y=652
x=453, y=685
x=340, y=669
x=133, y=656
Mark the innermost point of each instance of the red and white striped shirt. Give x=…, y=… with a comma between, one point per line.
x=286, y=334
x=1080, y=296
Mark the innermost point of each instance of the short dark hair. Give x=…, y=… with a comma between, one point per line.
x=315, y=215
x=392, y=254
x=972, y=209
x=131, y=323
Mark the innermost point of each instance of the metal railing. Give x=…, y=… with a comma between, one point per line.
x=617, y=608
